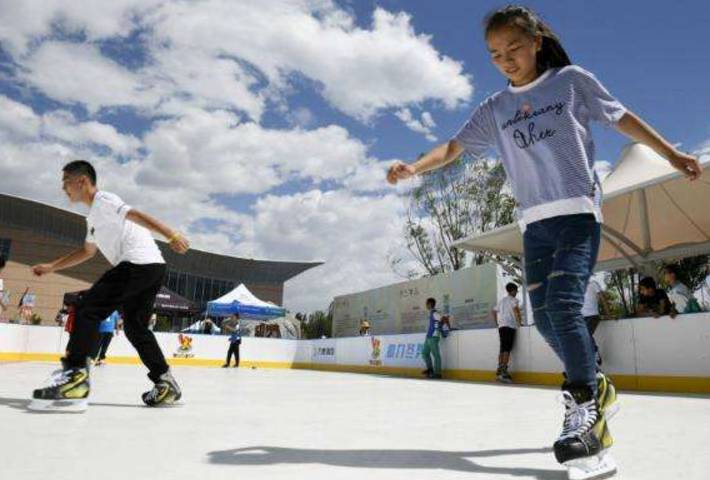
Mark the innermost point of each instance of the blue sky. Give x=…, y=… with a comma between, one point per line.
x=263, y=129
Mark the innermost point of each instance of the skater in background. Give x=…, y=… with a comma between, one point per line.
x=431, y=342
x=541, y=125
x=593, y=296
x=25, y=306
x=61, y=318
x=123, y=235
x=233, y=328
x=508, y=318
x=3, y=299
x=107, y=329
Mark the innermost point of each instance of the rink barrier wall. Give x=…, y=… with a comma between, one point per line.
x=648, y=354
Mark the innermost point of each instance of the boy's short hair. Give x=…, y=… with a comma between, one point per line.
x=647, y=282
x=672, y=269
x=2, y=262
x=511, y=287
x=81, y=167
x=432, y=301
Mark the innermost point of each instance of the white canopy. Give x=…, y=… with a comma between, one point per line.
x=242, y=294
x=651, y=212
x=242, y=301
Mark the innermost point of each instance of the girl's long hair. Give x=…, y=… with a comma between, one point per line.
x=551, y=54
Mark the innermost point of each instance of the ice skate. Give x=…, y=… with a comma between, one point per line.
x=67, y=390
x=502, y=375
x=583, y=445
x=165, y=392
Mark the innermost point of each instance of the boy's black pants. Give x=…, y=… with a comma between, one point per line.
x=132, y=289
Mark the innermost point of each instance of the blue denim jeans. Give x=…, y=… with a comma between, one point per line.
x=560, y=254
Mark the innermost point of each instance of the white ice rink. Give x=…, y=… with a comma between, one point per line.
x=291, y=424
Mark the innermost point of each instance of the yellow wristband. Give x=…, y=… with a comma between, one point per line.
x=174, y=237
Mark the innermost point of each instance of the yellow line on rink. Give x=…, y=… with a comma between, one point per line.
x=653, y=383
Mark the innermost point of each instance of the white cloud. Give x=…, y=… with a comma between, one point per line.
x=79, y=73
x=33, y=19
x=423, y=126
x=19, y=121
x=361, y=71
x=197, y=53
x=17, y=118
x=63, y=126
x=352, y=234
x=217, y=153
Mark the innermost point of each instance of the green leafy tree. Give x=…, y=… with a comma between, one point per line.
x=317, y=325
x=453, y=203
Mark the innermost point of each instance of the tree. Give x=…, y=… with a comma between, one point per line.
x=622, y=292
x=450, y=204
x=317, y=325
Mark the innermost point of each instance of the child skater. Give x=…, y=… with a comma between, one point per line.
x=122, y=234
x=540, y=124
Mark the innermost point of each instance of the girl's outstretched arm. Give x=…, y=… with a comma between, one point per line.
x=638, y=130
x=436, y=158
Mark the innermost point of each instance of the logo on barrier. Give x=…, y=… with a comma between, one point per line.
x=376, y=344
x=185, y=348
x=323, y=352
x=403, y=351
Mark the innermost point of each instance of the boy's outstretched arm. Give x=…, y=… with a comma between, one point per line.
x=80, y=255
x=638, y=130
x=175, y=239
x=436, y=158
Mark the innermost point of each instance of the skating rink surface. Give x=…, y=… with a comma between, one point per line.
x=293, y=424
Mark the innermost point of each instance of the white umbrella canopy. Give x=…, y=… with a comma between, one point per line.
x=651, y=212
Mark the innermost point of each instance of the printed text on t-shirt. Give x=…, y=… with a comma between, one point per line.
x=530, y=136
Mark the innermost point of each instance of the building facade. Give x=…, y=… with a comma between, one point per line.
x=33, y=232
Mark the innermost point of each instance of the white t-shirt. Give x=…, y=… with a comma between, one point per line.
x=679, y=294
x=118, y=239
x=591, y=299
x=506, y=312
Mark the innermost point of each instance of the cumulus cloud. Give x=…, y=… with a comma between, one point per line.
x=423, y=125
x=352, y=234
x=199, y=53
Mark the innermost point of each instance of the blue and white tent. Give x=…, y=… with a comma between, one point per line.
x=242, y=301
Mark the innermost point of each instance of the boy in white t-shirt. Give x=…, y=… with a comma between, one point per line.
x=508, y=318
x=123, y=235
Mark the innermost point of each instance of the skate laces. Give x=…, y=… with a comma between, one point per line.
x=154, y=393
x=57, y=377
x=579, y=418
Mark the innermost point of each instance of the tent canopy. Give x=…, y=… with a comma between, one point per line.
x=651, y=212
x=246, y=304
x=167, y=301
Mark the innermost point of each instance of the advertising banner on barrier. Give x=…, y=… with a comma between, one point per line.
x=467, y=295
x=324, y=351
